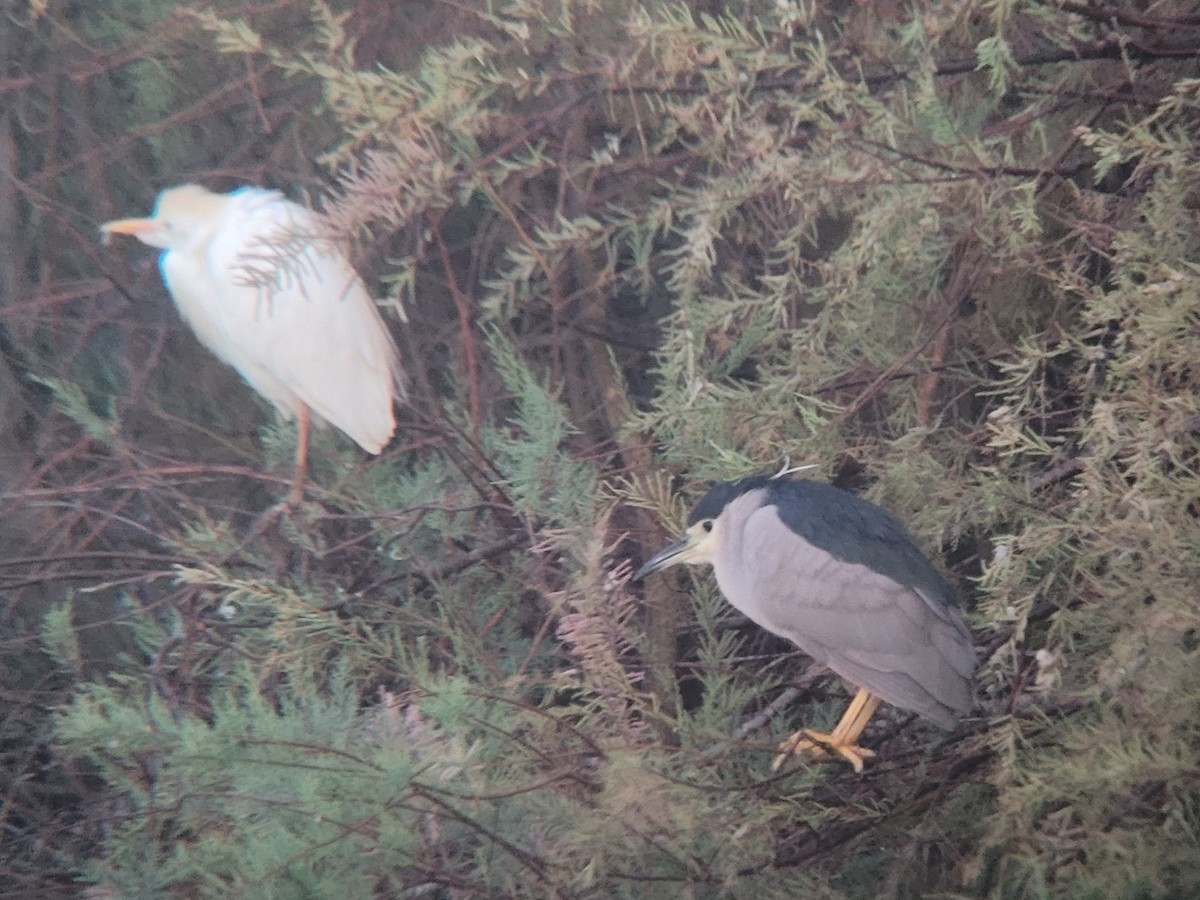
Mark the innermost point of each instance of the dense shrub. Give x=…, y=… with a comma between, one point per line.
x=946, y=253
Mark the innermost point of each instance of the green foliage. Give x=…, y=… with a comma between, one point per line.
x=60, y=640
x=72, y=402
x=296, y=777
x=542, y=480
x=1114, y=558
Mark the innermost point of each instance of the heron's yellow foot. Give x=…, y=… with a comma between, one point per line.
x=818, y=743
x=843, y=740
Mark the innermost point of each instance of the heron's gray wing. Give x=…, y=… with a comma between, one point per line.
x=859, y=531
x=874, y=632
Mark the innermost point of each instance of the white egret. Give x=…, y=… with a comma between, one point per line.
x=262, y=289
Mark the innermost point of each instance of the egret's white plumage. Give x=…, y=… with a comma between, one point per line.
x=261, y=289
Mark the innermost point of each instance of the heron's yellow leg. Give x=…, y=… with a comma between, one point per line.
x=300, y=474
x=843, y=740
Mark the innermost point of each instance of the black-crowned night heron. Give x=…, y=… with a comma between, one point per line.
x=843, y=580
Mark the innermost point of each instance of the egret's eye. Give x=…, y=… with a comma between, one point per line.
x=707, y=525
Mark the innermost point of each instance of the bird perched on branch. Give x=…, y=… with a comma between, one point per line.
x=268, y=294
x=844, y=581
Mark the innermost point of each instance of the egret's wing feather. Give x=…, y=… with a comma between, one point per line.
x=340, y=357
x=296, y=320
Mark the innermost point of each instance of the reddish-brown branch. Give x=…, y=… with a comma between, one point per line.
x=466, y=329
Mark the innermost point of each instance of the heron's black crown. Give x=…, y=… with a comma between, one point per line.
x=722, y=494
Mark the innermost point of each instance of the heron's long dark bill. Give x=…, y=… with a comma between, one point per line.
x=669, y=555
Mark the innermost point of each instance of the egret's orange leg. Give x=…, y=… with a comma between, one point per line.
x=299, y=476
x=301, y=472
x=843, y=740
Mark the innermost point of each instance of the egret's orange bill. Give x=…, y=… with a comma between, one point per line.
x=126, y=226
